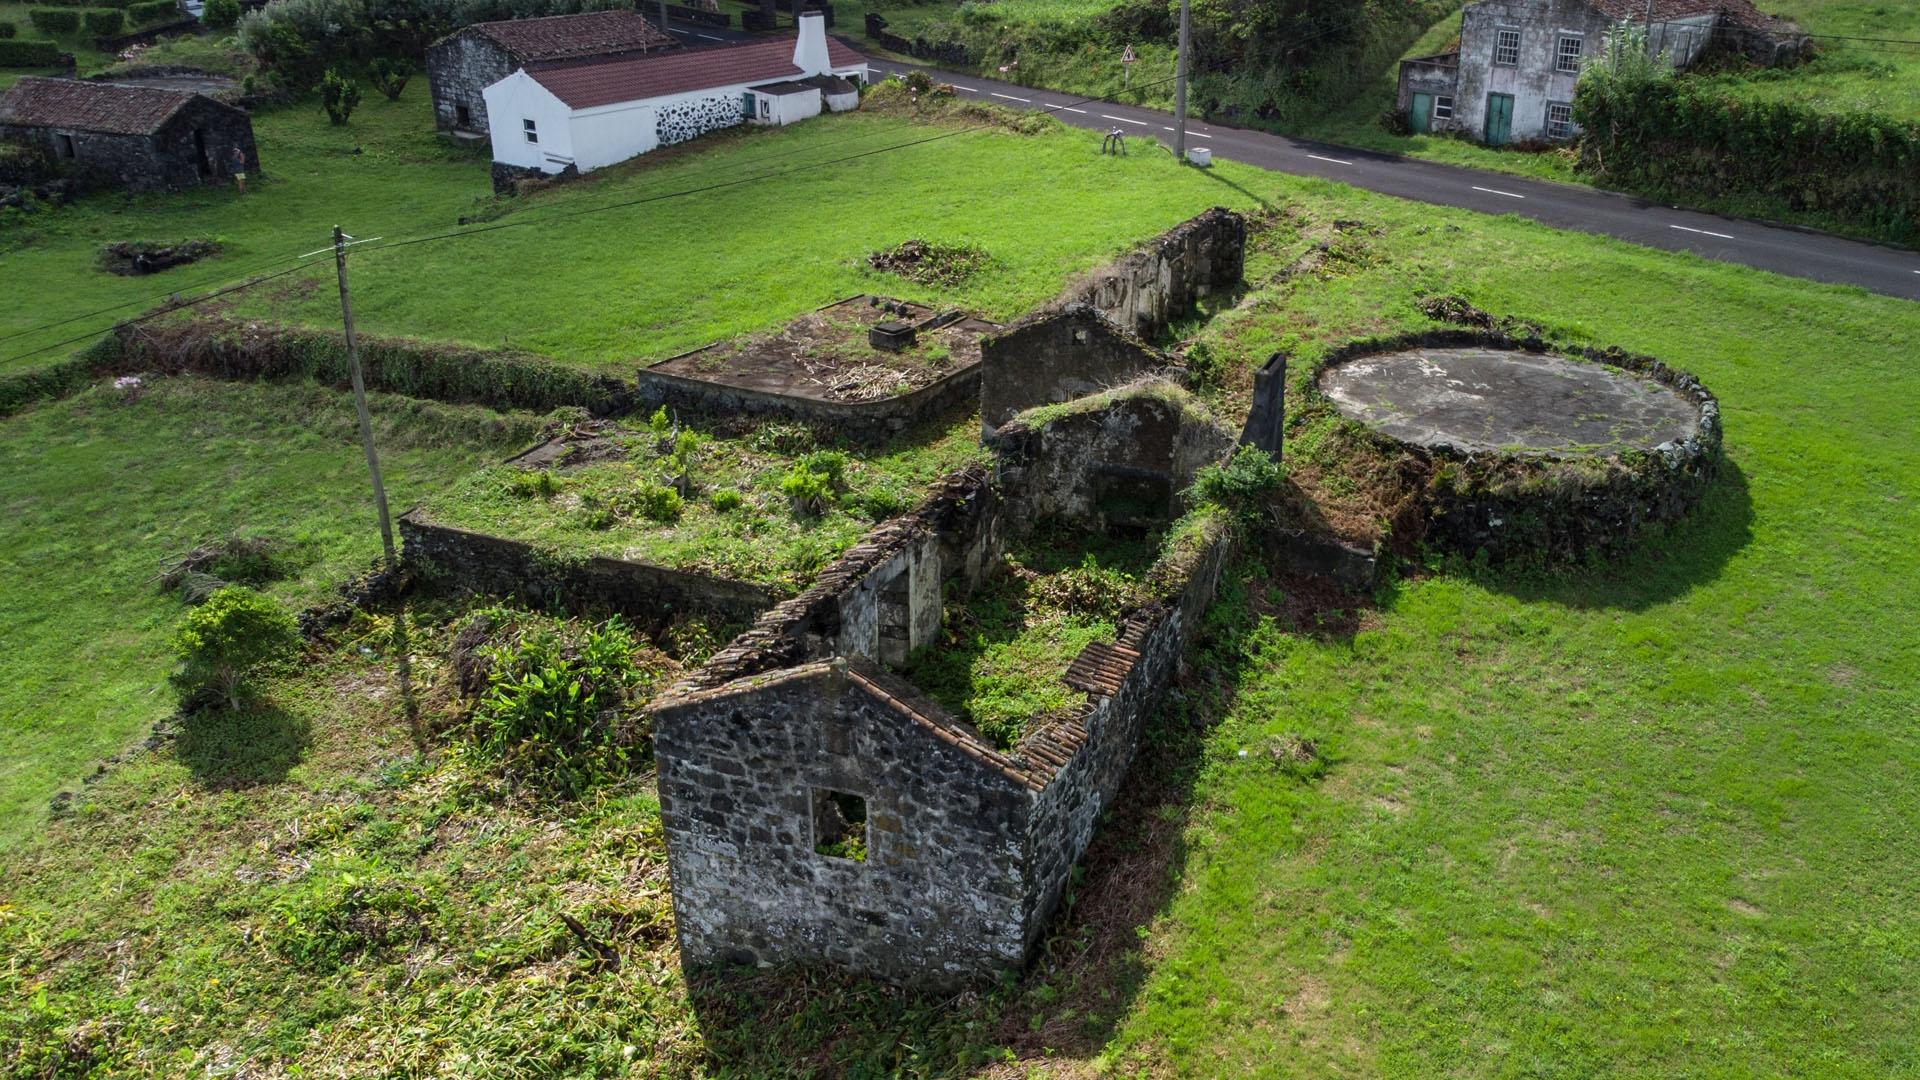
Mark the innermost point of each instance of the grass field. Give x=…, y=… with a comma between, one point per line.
x=615, y=289
x=101, y=489
x=1648, y=819
x=1873, y=75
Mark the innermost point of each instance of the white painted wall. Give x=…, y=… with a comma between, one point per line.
x=786, y=108
x=516, y=99
x=613, y=133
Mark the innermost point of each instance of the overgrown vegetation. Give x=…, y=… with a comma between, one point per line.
x=227, y=641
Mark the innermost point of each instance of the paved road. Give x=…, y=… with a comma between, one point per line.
x=1818, y=256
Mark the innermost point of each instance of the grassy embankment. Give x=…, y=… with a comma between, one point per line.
x=1645, y=819
x=624, y=287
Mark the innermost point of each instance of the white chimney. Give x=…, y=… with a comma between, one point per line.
x=810, y=48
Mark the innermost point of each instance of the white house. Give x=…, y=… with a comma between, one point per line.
x=590, y=114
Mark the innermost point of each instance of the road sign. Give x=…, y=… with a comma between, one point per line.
x=1128, y=57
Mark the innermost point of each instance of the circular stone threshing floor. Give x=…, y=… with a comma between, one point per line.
x=1497, y=399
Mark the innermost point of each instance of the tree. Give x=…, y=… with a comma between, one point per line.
x=229, y=639
x=339, y=95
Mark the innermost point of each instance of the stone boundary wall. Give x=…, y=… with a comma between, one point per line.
x=650, y=595
x=1148, y=289
x=1554, y=507
x=862, y=421
x=951, y=53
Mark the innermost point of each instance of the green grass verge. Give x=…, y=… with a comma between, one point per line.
x=103, y=488
x=1868, y=76
x=611, y=291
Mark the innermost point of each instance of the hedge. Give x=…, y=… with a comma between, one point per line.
x=105, y=23
x=7, y=30
x=152, y=11
x=29, y=54
x=55, y=21
x=87, y=3
x=1673, y=138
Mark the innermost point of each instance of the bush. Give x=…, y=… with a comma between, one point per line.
x=228, y=640
x=218, y=14
x=154, y=11
x=727, y=500
x=105, y=23
x=1243, y=485
x=339, y=95
x=29, y=54
x=390, y=77
x=55, y=21
x=811, y=492
x=7, y=30
x=553, y=705
x=655, y=502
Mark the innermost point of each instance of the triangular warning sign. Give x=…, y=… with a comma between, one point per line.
x=1127, y=57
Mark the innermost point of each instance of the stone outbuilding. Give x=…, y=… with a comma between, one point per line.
x=1057, y=355
x=1512, y=77
x=138, y=138
x=463, y=64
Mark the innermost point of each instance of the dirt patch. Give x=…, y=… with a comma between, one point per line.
x=577, y=446
x=134, y=258
x=827, y=354
x=930, y=263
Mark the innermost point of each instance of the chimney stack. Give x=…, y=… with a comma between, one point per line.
x=810, y=47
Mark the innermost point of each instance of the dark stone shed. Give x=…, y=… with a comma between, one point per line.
x=140, y=138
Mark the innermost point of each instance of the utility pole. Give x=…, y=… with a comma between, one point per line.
x=402, y=647
x=1180, y=84
x=360, y=394
x=1649, y=27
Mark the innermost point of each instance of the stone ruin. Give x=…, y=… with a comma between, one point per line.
x=798, y=733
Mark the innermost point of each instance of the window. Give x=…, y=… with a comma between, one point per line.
x=462, y=116
x=1567, y=56
x=1506, y=48
x=1442, y=107
x=533, y=133
x=65, y=146
x=839, y=825
x=766, y=109
x=1559, y=120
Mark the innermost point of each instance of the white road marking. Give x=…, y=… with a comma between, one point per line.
x=1083, y=112
x=1124, y=120
x=968, y=89
x=1335, y=160
x=1202, y=134
x=1010, y=97
x=1497, y=191
x=709, y=37
x=1721, y=235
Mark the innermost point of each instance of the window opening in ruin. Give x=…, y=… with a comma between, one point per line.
x=839, y=825
x=1506, y=48
x=201, y=163
x=462, y=116
x=66, y=147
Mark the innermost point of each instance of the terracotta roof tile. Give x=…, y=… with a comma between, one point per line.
x=586, y=84
x=558, y=37
x=1737, y=12
x=110, y=108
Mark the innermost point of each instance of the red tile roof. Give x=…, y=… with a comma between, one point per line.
x=635, y=78
x=558, y=37
x=36, y=101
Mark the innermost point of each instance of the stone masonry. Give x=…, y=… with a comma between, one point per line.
x=965, y=849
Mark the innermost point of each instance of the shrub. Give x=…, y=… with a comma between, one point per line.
x=228, y=640
x=7, y=30
x=105, y=23
x=339, y=95
x=727, y=500
x=390, y=77
x=29, y=54
x=220, y=14
x=811, y=492
x=552, y=706
x=55, y=21
x=154, y=11
x=529, y=484
x=1243, y=485
x=656, y=502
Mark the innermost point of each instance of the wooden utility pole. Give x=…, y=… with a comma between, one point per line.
x=1180, y=84
x=360, y=394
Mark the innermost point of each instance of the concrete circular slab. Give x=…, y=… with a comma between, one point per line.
x=1508, y=400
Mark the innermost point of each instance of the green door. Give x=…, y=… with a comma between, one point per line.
x=1420, y=117
x=1499, y=119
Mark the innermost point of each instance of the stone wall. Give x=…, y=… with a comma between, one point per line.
x=1149, y=289
x=459, y=68
x=968, y=848
x=1054, y=356
x=1119, y=460
x=169, y=159
x=649, y=595
x=863, y=421
x=684, y=120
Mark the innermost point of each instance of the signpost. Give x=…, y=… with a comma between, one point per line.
x=1126, y=61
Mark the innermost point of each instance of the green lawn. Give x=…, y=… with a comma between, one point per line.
x=802, y=208
x=101, y=489
x=1650, y=819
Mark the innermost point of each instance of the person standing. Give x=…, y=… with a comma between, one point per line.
x=237, y=163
